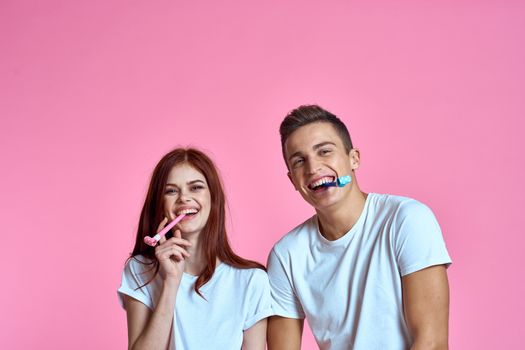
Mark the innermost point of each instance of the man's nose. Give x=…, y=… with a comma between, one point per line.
x=313, y=166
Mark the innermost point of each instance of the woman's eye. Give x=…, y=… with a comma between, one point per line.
x=170, y=191
x=197, y=188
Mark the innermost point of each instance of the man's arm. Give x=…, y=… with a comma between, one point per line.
x=426, y=303
x=284, y=333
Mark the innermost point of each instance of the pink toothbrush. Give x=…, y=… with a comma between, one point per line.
x=152, y=241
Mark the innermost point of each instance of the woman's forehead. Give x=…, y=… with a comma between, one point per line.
x=185, y=172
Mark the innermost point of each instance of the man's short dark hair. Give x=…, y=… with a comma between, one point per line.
x=307, y=114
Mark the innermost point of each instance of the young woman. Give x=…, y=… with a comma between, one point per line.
x=191, y=291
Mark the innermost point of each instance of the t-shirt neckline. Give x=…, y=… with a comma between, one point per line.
x=348, y=235
x=186, y=277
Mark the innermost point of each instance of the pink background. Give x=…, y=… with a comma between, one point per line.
x=93, y=93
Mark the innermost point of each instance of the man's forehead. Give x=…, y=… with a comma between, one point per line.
x=307, y=137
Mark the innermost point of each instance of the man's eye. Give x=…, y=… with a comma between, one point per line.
x=297, y=162
x=326, y=151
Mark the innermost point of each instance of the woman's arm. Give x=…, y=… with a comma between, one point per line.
x=151, y=330
x=255, y=337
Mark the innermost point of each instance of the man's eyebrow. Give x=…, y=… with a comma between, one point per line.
x=315, y=147
x=322, y=144
x=296, y=154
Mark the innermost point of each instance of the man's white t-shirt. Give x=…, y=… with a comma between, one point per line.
x=236, y=299
x=350, y=289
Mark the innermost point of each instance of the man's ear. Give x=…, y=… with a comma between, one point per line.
x=355, y=158
x=290, y=178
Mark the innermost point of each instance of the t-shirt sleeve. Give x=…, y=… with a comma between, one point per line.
x=419, y=242
x=259, y=299
x=133, y=277
x=284, y=300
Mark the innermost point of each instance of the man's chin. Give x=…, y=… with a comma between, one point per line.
x=323, y=204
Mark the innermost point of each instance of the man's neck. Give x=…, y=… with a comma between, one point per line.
x=336, y=221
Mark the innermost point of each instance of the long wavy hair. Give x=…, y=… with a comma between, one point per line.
x=213, y=237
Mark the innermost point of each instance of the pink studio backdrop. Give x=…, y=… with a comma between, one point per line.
x=93, y=93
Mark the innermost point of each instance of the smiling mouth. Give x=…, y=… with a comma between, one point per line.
x=187, y=212
x=319, y=184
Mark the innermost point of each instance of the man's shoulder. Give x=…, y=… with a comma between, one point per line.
x=296, y=238
x=396, y=205
x=403, y=212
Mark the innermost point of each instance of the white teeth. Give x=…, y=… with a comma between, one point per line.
x=321, y=181
x=187, y=211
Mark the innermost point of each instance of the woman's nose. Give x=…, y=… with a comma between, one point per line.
x=184, y=197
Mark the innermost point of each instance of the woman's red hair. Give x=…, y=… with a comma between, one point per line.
x=214, y=240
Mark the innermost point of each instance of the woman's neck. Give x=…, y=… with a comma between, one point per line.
x=196, y=263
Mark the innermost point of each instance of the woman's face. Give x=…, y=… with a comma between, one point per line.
x=187, y=192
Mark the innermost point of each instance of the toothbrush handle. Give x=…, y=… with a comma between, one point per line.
x=152, y=241
x=168, y=227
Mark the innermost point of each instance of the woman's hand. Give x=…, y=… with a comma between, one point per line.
x=171, y=254
x=151, y=330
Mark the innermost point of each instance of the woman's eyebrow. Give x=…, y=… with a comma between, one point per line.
x=196, y=181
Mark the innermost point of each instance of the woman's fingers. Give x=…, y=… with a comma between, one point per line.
x=177, y=241
x=174, y=253
x=166, y=251
x=162, y=224
x=173, y=248
x=160, y=227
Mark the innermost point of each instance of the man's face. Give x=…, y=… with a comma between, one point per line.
x=315, y=154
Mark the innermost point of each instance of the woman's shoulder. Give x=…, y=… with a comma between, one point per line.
x=246, y=275
x=140, y=266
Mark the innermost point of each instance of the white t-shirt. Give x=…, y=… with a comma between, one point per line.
x=236, y=299
x=350, y=289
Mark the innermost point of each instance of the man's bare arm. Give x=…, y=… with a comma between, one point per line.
x=426, y=305
x=284, y=333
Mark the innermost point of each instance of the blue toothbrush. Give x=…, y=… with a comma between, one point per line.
x=341, y=181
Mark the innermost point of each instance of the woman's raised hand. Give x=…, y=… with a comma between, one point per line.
x=171, y=254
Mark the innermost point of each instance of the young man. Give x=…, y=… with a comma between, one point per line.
x=368, y=271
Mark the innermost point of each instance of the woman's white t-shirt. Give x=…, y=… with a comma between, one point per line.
x=236, y=299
